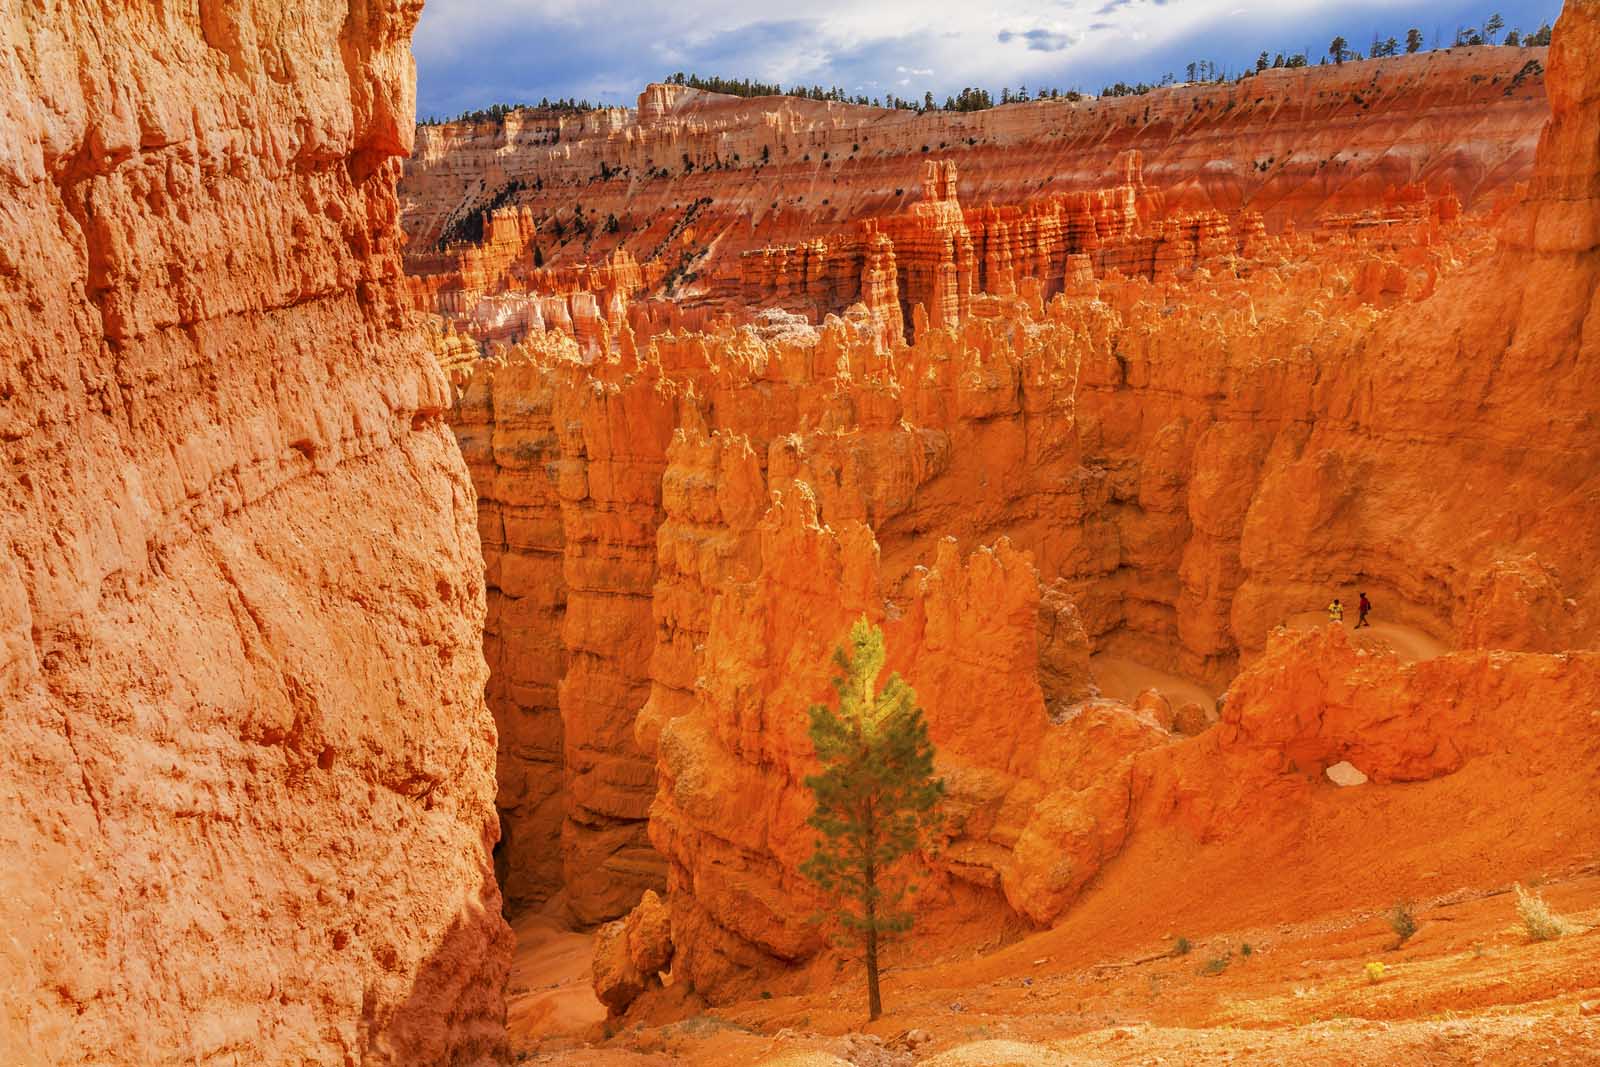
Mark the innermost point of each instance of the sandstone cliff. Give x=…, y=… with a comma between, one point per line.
x=245, y=765
x=1164, y=464
x=690, y=182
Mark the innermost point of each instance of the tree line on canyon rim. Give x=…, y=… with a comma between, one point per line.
x=979, y=99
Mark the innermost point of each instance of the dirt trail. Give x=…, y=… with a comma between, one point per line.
x=549, y=995
x=1124, y=679
x=1407, y=642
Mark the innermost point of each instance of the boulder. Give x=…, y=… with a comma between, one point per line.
x=1345, y=773
x=1191, y=719
x=1152, y=703
x=631, y=953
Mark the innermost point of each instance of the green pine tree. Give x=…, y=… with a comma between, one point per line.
x=877, y=798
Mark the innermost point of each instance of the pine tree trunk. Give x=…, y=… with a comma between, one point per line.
x=870, y=907
x=874, y=999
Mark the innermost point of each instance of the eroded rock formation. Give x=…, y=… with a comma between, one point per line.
x=246, y=802
x=1165, y=464
x=1179, y=459
x=721, y=203
x=1148, y=412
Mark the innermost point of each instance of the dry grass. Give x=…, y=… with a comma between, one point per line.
x=1541, y=923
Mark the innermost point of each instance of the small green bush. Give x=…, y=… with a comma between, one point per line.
x=1403, y=921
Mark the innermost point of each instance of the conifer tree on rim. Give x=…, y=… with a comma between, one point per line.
x=877, y=797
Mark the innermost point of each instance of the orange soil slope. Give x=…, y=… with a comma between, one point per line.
x=246, y=801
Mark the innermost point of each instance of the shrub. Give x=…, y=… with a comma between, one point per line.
x=1181, y=947
x=877, y=799
x=1402, y=921
x=1216, y=965
x=1541, y=923
x=1375, y=972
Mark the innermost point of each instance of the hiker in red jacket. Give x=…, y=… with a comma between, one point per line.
x=1362, y=608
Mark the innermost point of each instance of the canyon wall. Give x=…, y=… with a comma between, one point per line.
x=1176, y=466
x=246, y=803
x=1162, y=465
x=1447, y=444
x=691, y=184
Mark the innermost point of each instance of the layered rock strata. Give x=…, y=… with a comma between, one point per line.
x=690, y=183
x=1309, y=503
x=246, y=793
x=1179, y=458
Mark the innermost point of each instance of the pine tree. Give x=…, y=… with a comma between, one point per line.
x=1413, y=41
x=1338, y=49
x=877, y=798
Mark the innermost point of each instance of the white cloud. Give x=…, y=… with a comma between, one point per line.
x=462, y=45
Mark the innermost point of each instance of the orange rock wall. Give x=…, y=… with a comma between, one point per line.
x=508, y=438
x=686, y=178
x=1382, y=473
x=1181, y=459
x=245, y=765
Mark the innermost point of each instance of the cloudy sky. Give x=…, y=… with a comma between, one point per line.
x=471, y=53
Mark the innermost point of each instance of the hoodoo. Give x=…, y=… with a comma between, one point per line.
x=696, y=206
x=246, y=770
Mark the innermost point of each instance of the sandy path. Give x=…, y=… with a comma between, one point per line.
x=1124, y=679
x=1407, y=642
x=549, y=992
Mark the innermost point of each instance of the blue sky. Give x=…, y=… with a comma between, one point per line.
x=471, y=53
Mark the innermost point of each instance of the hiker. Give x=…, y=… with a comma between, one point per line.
x=1362, y=608
x=1336, y=611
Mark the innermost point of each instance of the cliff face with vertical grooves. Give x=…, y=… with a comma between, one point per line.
x=246, y=793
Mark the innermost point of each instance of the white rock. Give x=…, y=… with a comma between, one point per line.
x=1345, y=773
